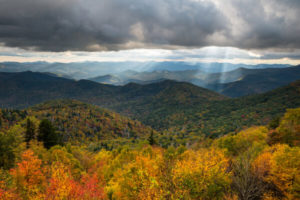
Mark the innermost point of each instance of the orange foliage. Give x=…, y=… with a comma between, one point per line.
x=29, y=176
x=63, y=186
x=280, y=166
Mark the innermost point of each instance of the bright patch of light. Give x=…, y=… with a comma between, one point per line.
x=205, y=54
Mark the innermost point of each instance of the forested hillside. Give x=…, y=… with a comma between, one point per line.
x=20, y=90
x=212, y=117
x=170, y=106
x=78, y=123
x=261, y=162
x=149, y=100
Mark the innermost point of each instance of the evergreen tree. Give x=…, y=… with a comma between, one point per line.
x=151, y=139
x=30, y=132
x=9, y=142
x=47, y=134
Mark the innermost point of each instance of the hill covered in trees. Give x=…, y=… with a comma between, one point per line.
x=20, y=90
x=211, y=117
x=77, y=123
x=80, y=121
x=261, y=162
x=170, y=106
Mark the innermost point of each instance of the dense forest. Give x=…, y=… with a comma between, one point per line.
x=209, y=113
x=166, y=140
x=149, y=100
x=43, y=156
x=166, y=105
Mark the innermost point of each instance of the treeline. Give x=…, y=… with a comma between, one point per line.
x=257, y=163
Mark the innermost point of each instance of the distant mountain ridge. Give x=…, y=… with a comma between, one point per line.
x=239, y=82
x=219, y=77
x=255, y=83
x=86, y=70
x=167, y=105
x=24, y=89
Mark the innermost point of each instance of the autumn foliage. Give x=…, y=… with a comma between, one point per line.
x=253, y=164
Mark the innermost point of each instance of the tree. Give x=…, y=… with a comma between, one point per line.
x=8, y=142
x=289, y=127
x=247, y=184
x=139, y=178
x=30, y=132
x=279, y=166
x=28, y=178
x=151, y=139
x=47, y=134
x=201, y=175
x=10, y=146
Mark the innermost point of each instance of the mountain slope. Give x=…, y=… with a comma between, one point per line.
x=259, y=81
x=107, y=79
x=80, y=121
x=24, y=89
x=239, y=82
x=213, y=117
x=19, y=90
x=167, y=105
x=166, y=98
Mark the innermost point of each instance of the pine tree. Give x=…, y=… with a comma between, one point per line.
x=30, y=132
x=47, y=134
x=151, y=139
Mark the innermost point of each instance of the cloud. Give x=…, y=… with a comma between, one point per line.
x=92, y=25
x=265, y=23
x=205, y=54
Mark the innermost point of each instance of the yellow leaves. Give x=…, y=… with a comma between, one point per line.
x=62, y=173
x=139, y=179
x=59, y=154
x=60, y=182
x=200, y=174
x=289, y=128
x=285, y=166
x=152, y=173
x=103, y=156
x=235, y=144
x=262, y=164
x=6, y=193
x=280, y=165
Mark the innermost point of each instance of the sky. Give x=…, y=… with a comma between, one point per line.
x=236, y=31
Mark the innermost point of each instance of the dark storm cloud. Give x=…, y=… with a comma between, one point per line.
x=268, y=23
x=59, y=25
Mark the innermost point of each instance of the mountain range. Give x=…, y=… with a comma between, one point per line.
x=86, y=70
x=166, y=105
x=239, y=82
x=231, y=80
